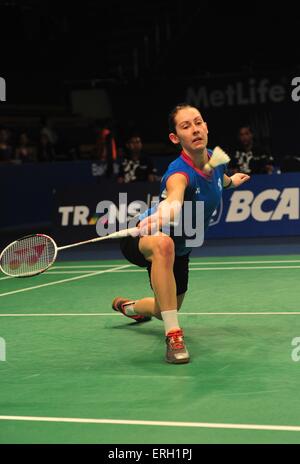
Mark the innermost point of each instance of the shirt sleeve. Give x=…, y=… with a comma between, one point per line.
x=177, y=171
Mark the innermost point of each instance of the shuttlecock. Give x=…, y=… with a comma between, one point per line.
x=218, y=157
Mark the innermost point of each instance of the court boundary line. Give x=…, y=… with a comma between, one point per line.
x=266, y=313
x=63, y=281
x=248, y=262
x=240, y=268
x=124, y=268
x=58, y=266
x=121, y=269
x=90, y=266
x=74, y=271
x=214, y=425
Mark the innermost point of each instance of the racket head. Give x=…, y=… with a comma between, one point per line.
x=28, y=256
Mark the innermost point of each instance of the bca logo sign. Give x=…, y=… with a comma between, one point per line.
x=243, y=204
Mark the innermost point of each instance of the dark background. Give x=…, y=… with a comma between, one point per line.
x=142, y=54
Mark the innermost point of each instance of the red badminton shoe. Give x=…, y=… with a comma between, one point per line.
x=176, y=349
x=119, y=305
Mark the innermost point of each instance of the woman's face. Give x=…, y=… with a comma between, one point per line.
x=191, y=130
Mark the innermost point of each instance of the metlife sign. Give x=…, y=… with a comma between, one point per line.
x=240, y=93
x=208, y=94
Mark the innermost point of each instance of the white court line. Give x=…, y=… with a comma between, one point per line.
x=235, y=268
x=60, y=314
x=286, y=313
x=210, y=263
x=239, y=268
x=88, y=266
x=62, y=281
x=280, y=428
x=191, y=269
x=82, y=271
x=121, y=269
x=270, y=313
x=246, y=262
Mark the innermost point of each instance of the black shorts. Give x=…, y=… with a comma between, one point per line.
x=130, y=249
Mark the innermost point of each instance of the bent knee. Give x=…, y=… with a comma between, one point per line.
x=160, y=247
x=163, y=246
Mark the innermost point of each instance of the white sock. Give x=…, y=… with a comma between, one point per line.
x=128, y=308
x=170, y=319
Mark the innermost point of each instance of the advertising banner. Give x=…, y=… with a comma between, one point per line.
x=264, y=206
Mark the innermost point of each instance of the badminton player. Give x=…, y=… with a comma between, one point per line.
x=166, y=257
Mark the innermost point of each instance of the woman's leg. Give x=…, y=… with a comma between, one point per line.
x=150, y=307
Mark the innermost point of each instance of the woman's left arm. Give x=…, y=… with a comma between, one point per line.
x=235, y=180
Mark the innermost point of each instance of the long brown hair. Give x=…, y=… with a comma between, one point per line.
x=172, y=114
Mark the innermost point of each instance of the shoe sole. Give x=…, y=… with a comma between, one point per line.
x=179, y=361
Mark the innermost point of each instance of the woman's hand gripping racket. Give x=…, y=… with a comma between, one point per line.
x=34, y=254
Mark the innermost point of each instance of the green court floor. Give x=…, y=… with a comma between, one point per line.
x=74, y=371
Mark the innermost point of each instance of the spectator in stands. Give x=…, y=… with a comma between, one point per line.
x=106, y=146
x=106, y=151
x=249, y=157
x=46, y=151
x=290, y=163
x=25, y=151
x=136, y=166
x=47, y=129
x=105, y=167
x=6, y=150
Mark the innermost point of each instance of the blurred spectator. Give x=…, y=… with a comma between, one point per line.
x=25, y=150
x=136, y=166
x=249, y=157
x=106, y=145
x=104, y=167
x=46, y=151
x=290, y=164
x=48, y=130
x=6, y=150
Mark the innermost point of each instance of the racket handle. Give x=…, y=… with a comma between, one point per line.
x=133, y=231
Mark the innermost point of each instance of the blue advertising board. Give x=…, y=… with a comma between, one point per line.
x=66, y=195
x=263, y=206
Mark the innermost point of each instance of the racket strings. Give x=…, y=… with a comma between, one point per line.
x=28, y=256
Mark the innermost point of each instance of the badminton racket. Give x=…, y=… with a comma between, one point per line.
x=31, y=255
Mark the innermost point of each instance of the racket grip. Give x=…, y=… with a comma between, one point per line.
x=133, y=232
